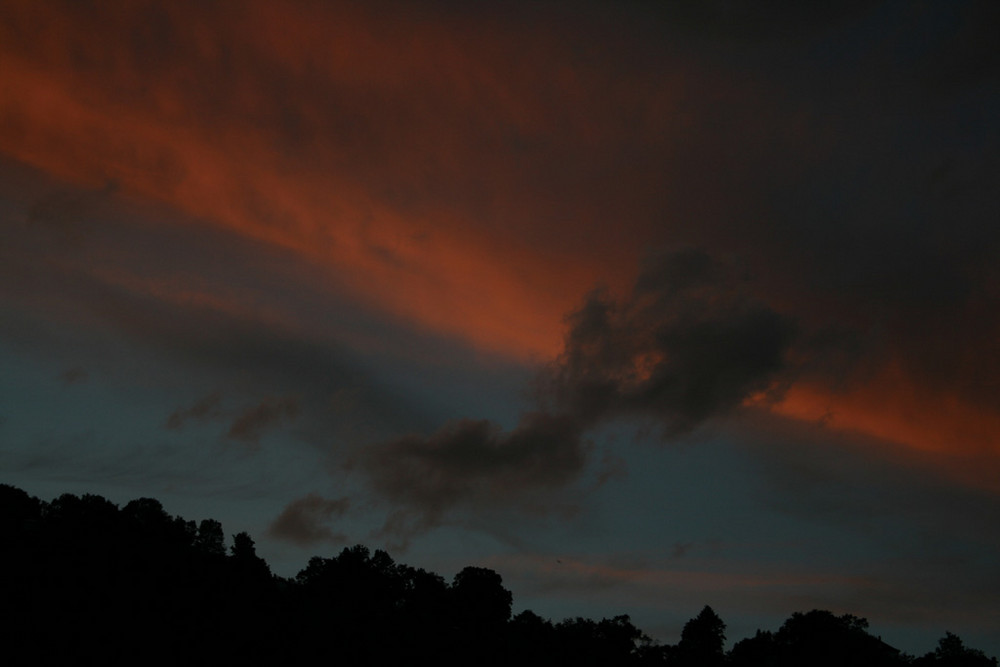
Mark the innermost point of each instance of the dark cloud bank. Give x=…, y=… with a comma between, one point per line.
x=688, y=343
x=303, y=520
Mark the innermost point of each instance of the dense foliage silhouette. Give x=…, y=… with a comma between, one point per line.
x=83, y=581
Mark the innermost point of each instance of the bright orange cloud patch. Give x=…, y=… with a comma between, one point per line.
x=890, y=407
x=893, y=410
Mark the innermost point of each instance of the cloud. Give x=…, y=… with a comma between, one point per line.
x=350, y=129
x=687, y=344
x=473, y=462
x=304, y=520
x=195, y=304
x=204, y=408
x=68, y=214
x=250, y=425
x=348, y=145
x=430, y=171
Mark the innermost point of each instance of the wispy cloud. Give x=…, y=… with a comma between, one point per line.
x=208, y=407
x=472, y=463
x=305, y=521
x=251, y=424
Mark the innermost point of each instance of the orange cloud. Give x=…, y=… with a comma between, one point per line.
x=893, y=409
x=936, y=425
x=306, y=151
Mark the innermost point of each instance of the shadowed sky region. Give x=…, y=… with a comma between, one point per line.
x=647, y=306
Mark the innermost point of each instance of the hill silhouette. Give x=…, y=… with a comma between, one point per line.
x=84, y=581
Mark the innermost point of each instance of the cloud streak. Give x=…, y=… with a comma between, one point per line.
x=205, y=408
x=305, y=521
x=250, y=425
x=310, y=168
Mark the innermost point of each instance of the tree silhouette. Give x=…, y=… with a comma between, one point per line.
x=480, y=608
x=702, y=640
x=531, y=635
x=822, y=638
x=246, y=562
x=582, y=641
x=479, y=598
x=210, y=538
x=84, y=582
x=952, y=652
x=761, y=650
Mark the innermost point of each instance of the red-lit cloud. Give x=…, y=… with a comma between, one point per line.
x=437, y=173
x=314, y=148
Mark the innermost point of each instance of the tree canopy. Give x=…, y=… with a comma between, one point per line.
x=85, y=581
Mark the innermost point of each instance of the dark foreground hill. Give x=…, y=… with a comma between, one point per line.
x=86, y=582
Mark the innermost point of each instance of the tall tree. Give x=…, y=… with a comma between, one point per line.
x=480, y=599
x=702, y=640
x=211, y=539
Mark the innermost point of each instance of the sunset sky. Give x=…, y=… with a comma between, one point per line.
x=644, y=305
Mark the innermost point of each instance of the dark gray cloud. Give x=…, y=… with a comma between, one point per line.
x=687, y=344
x=251, y=424
x=305, y=520
x=204, y=408
x=472, y=462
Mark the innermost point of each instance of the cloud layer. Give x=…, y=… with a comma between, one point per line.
x=686, y=344
x=437, y=175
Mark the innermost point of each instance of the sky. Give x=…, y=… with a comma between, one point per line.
x=644, y=305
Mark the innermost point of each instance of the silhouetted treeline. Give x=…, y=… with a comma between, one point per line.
x=86, y=582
